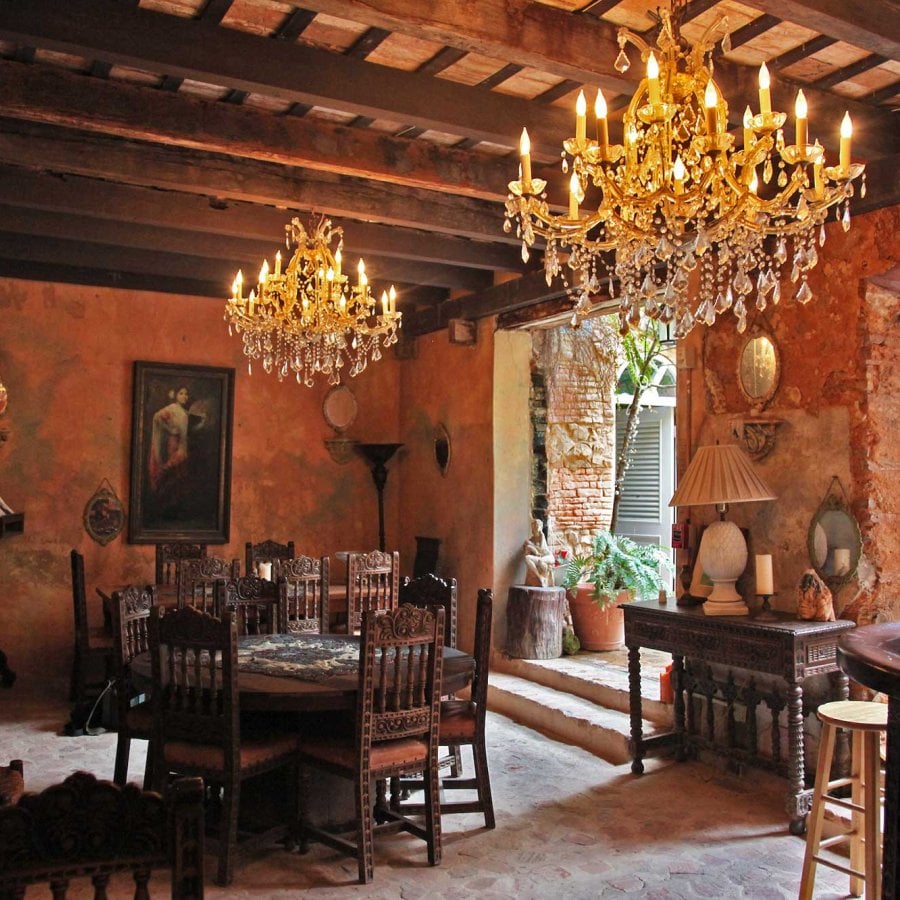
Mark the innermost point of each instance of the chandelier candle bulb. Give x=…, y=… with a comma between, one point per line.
x=278, y=264
x=392, y=294
x=711, y=100
x=602, y=124
x=653, y=80
x=525, y=153
x=574, y=187
x=765, y=98
x=678, y=173
x=580, y=119
x=748, y=129
x=800, y=110
x=764, y=584
x=817, y=180
x=846, y=133
x=385, y=303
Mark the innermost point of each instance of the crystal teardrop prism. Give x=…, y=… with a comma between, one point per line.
x=565, y=166
x=525, y=254
x=622, y=62
x=822, y=235
x=845, y=219
x=804, y=294
x=726, y=42
x=780, y=254
x=776, y=293
x=767, y=171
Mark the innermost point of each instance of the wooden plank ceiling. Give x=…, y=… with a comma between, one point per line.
x=162, y=144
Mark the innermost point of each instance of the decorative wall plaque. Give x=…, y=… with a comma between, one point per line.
x=104, y=516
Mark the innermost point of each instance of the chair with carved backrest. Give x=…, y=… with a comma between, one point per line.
x=266, y=552
x=197, y=580
x=130, y=617
x=255, y=602
x=373, y=583
x=168, y=556
x=462, y=724
x=430, y=592
x=401, y=663
x=198, y=732
x=87, y=828
x=303, y=582
x=93, y=664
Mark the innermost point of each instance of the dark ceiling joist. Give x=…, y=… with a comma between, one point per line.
x=188, y=48
x=176, y=169
x=74, y=101
x=855, y=21
x=584, y=48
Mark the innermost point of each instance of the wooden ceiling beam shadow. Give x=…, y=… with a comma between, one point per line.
x=804, y=50
x=171, y=168
x=185, y=48
x=851, y=71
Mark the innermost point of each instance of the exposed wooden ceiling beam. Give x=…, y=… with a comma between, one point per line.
x=874, y=26
x=188, y=48
x=583, y=48
x=60, y=98
x=56, y=150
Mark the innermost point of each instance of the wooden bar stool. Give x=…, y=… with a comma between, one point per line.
x=867, y=722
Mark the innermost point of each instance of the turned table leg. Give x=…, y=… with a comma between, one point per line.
x=797, y=808
x=636, y=711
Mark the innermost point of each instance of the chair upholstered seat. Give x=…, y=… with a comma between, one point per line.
x=185, y=755
x=458, y=722
x=402, y=752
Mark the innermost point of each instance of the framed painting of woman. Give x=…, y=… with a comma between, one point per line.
x=180, y=453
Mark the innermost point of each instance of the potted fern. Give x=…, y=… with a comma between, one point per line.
x=616, y=570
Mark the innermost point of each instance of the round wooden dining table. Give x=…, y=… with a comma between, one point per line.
x=307, y=672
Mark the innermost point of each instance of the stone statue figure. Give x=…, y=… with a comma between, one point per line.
x=538, y=558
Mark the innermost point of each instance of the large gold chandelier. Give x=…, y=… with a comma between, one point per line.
x=697, y=227
x=309, y=319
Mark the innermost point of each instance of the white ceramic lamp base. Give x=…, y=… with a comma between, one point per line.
x=723, y=555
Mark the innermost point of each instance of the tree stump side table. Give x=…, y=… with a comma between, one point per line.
x=534, y=621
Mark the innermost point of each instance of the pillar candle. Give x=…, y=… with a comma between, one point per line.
x=764, y=574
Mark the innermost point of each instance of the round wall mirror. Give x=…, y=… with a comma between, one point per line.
x=759, y=369
x=442, y=448
x=835, y=542
x=340, y=408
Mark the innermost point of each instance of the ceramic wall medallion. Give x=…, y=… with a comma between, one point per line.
x=104, y=516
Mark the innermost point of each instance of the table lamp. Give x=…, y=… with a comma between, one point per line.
x=719, y=475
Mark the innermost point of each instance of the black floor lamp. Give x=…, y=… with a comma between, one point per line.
x=377, y=456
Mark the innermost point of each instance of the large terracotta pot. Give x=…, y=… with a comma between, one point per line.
x=597, y=629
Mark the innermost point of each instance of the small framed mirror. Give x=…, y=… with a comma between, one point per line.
x=834, y=541
x=340, y=408
x=759, y=369
x=442, y=448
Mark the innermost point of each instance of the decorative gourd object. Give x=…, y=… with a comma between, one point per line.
x=814, y=598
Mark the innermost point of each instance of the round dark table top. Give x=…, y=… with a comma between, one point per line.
x=870, y=654
x=324, y=689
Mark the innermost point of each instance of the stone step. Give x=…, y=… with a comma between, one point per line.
x=599, y=730
x=601, y=678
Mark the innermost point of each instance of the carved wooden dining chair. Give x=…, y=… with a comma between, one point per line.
x=373, y=583
x=197, y=731
x=168, y=556
x=93, y=664
x=255, y=602
x=130, y=618
x=462, y=724
x=266, y=552
x=430, y=592
x=87, y=828
x=197, y=580
x=397, y=715
x=303, y=582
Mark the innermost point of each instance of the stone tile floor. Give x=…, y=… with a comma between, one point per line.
x=569, y=825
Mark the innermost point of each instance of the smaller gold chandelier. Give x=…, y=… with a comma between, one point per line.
x=309, y=319
x=696, y=227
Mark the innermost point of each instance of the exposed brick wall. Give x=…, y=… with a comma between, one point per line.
x=580, y=433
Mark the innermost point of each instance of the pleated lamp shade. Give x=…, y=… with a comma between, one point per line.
x=718, y=475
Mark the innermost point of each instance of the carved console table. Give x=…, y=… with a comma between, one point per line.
x=786, y=647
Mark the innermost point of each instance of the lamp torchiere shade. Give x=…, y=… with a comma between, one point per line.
x=719, y=475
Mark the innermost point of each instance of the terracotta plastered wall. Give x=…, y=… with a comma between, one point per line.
x=838, y=402
x=580, y=434
x=66, y=355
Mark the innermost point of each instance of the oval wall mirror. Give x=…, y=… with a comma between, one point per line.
x=340, y=408
x=759, y=369
x=835, y=542
x=442, y=448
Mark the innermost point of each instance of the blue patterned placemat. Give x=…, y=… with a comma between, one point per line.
x=312, y=658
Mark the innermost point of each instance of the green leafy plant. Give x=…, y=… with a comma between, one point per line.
x=617, y=563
